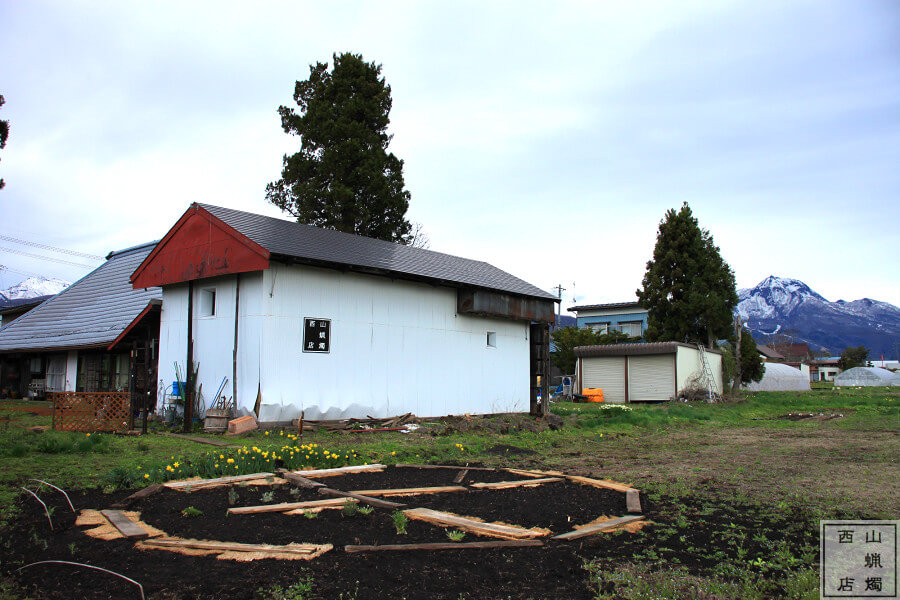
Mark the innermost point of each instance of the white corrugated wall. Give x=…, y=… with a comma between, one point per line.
x=651, y=377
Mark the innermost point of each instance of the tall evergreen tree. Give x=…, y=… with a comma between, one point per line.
x=343, y=177
x=689, y=290
x=4, y=133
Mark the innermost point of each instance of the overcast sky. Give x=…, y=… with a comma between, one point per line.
x=546, y=138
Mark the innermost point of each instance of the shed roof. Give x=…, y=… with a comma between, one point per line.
x=610, y=305
x=768, y=352
x=90, y=313
x=633, y=349
x=295, y=242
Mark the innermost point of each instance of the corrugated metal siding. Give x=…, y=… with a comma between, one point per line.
x=91, y=312
x=292, y=239
x=608, y=374
x=651, y=377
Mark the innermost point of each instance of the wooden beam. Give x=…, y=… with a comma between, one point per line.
x=598, y=528
x=302, y=549
x=502, y=485
x=316, y=473
x=139, y=495
x=479, y=527
x=600, y=483
x=412, y=491
x=361, y=498
x=197, y=484
x=444, y=467
x=444, y=546
x=299, y=480
x=460, y=476
x=535, y=473
x=126, y=526
x=285, y=506
x=633, y=501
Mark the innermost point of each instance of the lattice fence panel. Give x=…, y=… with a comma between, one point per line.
x=91, y=411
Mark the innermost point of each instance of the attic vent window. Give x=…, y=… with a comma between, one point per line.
x=208, y=302
x=492, y=339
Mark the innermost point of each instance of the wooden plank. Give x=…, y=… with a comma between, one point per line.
x=406, y=465
x=412, y=491
x=535, y=473
x=126, y=526
x=139, y=495
x=201, y=483
x=284, y=506
x=316, y=473
x=492, y=529
x=302, y=549
x=460, y=476
x=633, y=501
x=200, y=440
x=600, y=483
x=445, y=546
x=299, y=480
x=361, y=498
x=598, y=528
x=502, y=485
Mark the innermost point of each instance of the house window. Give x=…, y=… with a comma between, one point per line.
x=599, y=327
x=492, y=339
x=630, y=328
x=208, y=302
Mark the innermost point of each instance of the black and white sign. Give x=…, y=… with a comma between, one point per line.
x=316, y=335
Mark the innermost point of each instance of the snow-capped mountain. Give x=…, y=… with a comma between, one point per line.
x=33, y=287
x=790, y=308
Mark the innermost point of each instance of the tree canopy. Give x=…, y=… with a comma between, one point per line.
x=343, y=177
x=4, y=134
x=689, y=290
x=853, y=357
x=566, y=339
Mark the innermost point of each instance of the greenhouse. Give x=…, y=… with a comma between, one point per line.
x=866, y=376
x=779, y=378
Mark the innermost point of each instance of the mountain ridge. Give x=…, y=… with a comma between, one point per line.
x=33, y=287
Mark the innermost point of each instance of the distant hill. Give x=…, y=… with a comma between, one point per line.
x=33, y=287
x=780, y=306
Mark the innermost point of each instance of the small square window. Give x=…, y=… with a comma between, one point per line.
x=492, y=339
x=208, y=302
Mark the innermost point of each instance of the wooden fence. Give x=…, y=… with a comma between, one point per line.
x=91, y=411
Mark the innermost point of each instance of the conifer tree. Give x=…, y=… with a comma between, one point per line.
x=4, y=134
x=689, y=290
x=343, y=177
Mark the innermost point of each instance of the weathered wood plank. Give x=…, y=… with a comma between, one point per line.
x=407, y=465
x=600, y=483
x=598, y=528
x=502, y=485
x=460, y=476
x=126, y=526
x=139, y=495
x=201, y=483
x=444, y=546
x=299, y=480
x=316, y=473
x=412, y=491
x=633, y=501
x=492, y=529
x=361, y=498
x=284, y=506
x=234, y=546
x=535, y=473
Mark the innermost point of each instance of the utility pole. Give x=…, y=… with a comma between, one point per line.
x=559, y=290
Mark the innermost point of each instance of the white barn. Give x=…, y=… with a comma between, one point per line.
x=338, y=325
x=643, y=372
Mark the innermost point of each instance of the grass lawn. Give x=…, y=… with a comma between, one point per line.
x=737, y=488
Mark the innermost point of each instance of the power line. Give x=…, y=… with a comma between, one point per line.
x=7, y=238
x=51, y=258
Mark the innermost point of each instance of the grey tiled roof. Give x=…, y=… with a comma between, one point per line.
x=91, y=312
x=633, y=349
x=324, y=246
x=610, y=305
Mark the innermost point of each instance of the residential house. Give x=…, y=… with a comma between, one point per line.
x=628, y=317
x=325, y=324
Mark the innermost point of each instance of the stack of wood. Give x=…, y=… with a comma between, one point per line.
x=369, y=424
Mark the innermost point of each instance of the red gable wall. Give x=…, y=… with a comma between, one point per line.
x=199, y=245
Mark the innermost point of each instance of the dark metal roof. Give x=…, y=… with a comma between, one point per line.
x=313, y=245
x=768, y=352
x=611, y=305
x=633, y=349
x=91, y=312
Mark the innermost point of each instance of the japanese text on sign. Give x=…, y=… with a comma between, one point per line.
x=316, y=335
x=858, y=559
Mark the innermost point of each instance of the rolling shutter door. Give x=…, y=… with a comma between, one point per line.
x=651, y=377
x=608, y=374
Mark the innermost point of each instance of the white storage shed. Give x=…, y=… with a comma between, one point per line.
x=644, y=372
x=334, y=325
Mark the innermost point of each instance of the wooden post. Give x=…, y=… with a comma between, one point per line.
x=188, y=396
x=736, y=382
x=132, y=375
x=234, y=358
x=545, y=369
